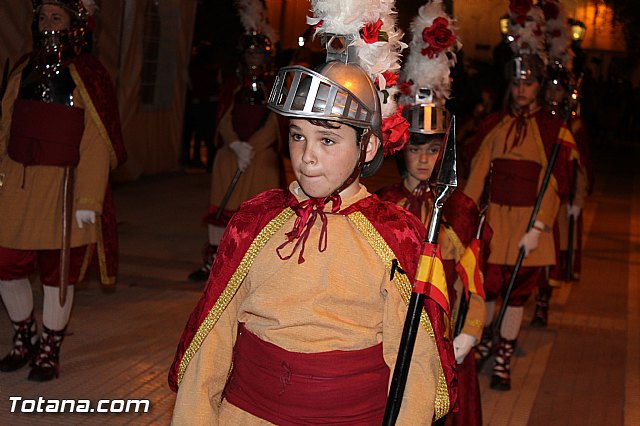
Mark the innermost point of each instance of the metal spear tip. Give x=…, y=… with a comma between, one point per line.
x=444, y=179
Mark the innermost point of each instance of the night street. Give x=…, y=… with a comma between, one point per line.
x=583, y=369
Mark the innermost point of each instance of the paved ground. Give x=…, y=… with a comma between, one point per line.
x=584, y=369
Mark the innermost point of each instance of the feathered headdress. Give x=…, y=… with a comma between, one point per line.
x=557, y=34
x=432, y=54
x=526, y=27
x=370, y=28
x=253, y=17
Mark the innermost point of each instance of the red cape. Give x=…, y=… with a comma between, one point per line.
x=401, y=231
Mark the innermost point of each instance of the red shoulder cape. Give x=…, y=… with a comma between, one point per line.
x=402, y=232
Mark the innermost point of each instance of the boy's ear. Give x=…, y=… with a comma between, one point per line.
x=372, y=148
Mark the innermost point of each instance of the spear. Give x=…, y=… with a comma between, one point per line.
x=227, y=195
x=532, y=221
x=445, y=182
x=568, y=272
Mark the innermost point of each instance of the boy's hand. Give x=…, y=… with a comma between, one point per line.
x=244, y=153
x=462, y=344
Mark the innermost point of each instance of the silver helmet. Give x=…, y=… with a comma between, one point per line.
x=335, y=91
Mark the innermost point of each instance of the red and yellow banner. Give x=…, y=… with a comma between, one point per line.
x=565, y=138
x=469, y=269
x=430, y=277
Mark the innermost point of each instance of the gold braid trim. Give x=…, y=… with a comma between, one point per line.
x=89, y=106
x=232, y=287
x=403, y=285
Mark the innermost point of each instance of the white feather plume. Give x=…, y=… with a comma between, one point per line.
x=528, y=36
x=558, y=37
x=423, y=71
x=253, y=17
x=350, y=17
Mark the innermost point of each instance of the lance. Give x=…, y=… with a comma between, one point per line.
x=464, y=300
x=532, y=221
x=568, y=272
x=443, y=185
x=227, y=195
x=67, y=217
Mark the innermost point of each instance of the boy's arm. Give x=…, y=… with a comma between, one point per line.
x=200, y=392
x=419, y=396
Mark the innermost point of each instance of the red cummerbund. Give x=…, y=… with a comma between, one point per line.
x=514, y=182
x=291, y=388
x=45, y=134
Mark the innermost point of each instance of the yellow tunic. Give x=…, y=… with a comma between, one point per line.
x=325, y=303
x=262, y=174
x=31, y=197
x=509, y=223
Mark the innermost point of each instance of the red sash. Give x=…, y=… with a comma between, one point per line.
x=291, y=388
x=514, y=182
x=45, y=134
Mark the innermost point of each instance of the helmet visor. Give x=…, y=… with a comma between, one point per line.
x=302, y=93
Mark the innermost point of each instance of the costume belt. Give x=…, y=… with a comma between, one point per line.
x=514, y=182
x=292, y=388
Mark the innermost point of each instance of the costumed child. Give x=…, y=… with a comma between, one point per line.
x=247, y=136
x=514, y=151
x=427, y=86
x=301, y=318
x=561, y=98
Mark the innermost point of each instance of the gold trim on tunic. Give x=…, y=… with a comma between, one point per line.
x=404, y=286
x=232, y=287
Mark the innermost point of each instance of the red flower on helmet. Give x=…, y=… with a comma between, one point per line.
x=395, y=133
x=405, y=87
x=550, y=10
x=371, y=31
x=391, y=78
x=520, y=7
x=439, y=37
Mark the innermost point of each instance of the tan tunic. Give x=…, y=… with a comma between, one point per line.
x=262, y=174
x=325, y=303
x=31, y=197
x=509, y=223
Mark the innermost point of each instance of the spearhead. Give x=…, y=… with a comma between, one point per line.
x=444, y=179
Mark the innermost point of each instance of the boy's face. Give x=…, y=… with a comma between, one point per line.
x=323, y=158
x=420, y=160
x=525, y=93
x=53, y=18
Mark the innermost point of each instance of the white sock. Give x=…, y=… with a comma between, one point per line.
x=215, y=234
x=18, y=298
x=54, y=316
x=490, y=308
x=511, y=322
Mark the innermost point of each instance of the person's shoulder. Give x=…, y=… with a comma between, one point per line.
x=392, y=193
x=272, y=199
x=389, y=216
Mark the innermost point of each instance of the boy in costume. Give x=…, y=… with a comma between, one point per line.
x=54, y=197
x=247, y=136
x=301, y=283
x=514, y=149
x=427, y=86
x=561, y=96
